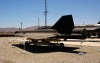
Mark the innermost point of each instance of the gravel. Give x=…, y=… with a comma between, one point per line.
x=43, y=54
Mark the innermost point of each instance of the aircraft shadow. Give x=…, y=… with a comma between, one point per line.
x=47, y=49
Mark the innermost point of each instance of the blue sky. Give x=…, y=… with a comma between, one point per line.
x=12, y=12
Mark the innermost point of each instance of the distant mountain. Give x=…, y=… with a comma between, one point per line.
x=8, y=29
x=30, y=28
x=16, y=29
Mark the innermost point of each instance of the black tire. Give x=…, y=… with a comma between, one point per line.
x=62, y=45
x=65, y=39
x=27, y=43
x=52, y=45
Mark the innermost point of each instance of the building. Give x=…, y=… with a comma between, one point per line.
x=93, y=30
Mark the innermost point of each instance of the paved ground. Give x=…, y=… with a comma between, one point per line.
x=44, y=54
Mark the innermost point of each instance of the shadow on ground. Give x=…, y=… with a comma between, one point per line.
x=47, y=49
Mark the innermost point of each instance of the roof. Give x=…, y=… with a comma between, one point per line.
x=89, y=27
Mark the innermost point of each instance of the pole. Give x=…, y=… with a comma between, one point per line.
x=45, y=13
x=38, y=23
x=21, y=25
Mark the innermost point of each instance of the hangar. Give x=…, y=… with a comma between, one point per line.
x=93, y=30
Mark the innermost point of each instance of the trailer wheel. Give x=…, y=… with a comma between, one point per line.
x=65, y=39
x=62, y=45
x=27, y=43
x=52, y=45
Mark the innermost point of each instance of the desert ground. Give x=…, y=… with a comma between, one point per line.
x=44, y=54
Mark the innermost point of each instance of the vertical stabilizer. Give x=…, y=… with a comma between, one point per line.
x=98, y=22
x=64, y=25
